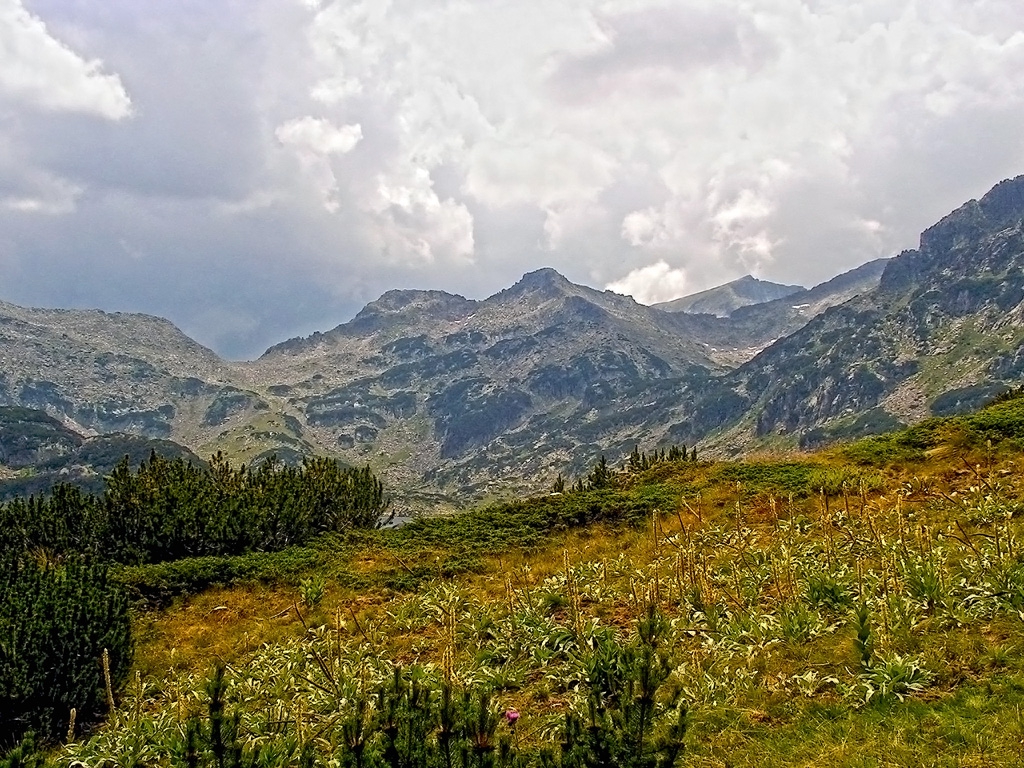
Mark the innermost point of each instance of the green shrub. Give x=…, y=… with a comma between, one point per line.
x=26, y=755
x=780, y=478
x=169, y=510
x=158, y=583
x=55, y=622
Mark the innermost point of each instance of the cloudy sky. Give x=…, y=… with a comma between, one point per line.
x=259, y=169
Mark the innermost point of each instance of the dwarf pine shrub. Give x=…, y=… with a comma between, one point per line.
x=56, y=619
x=170, y=510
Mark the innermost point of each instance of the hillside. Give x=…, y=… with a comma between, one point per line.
x=944, y=328
x=38, y=451
x=858, y=606
x=115, y=372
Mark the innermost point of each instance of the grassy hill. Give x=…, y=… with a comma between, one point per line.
x=861, y=605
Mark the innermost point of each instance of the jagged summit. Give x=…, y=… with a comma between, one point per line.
x=405, y=300
x=394, y=309
x=945, y=246
x=1000, y=207
x=543, y=284
x=545, y=277
x=407, y=306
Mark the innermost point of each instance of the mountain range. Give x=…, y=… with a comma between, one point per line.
x=440, y=393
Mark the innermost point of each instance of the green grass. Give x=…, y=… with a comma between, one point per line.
x=1001, y=422
x=978, y=724
x=758, y=569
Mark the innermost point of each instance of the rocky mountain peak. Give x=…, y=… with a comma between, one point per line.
x=394, y=309
x=401, y=308
x=944, y=245
x=1001, y=207
x=723, y=300
x=543, y=283
x=401, y=301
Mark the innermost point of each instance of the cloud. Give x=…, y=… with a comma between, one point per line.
x=653, y=49
x=39, y=70
x=652, y=284
x=315, y=140
x=286, y=162
x=319, y=136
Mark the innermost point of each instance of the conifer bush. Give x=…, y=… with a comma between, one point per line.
x=56, y=620
x=168, y=510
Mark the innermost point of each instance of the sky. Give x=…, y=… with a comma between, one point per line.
x=255, y=170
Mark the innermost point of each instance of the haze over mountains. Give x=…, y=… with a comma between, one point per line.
x=722, y=300
x=440, y=392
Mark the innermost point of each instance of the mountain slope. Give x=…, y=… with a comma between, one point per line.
x=37, y=451
x=119, y=372
x=945, y=319
x=723, y=300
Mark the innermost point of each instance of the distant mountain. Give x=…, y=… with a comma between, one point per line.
x=440, y=393
x=723, y=300
x=739, y=337
x=131, y=373
x=535, y=378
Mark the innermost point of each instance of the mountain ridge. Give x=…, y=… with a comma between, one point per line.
x=437, y=391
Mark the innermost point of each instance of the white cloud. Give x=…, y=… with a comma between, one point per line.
x=319, y=136
x=740, y=112
x=364, y=145
x=315, y=140
x=413, y=226
x=652, y=284
x=39, y=69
